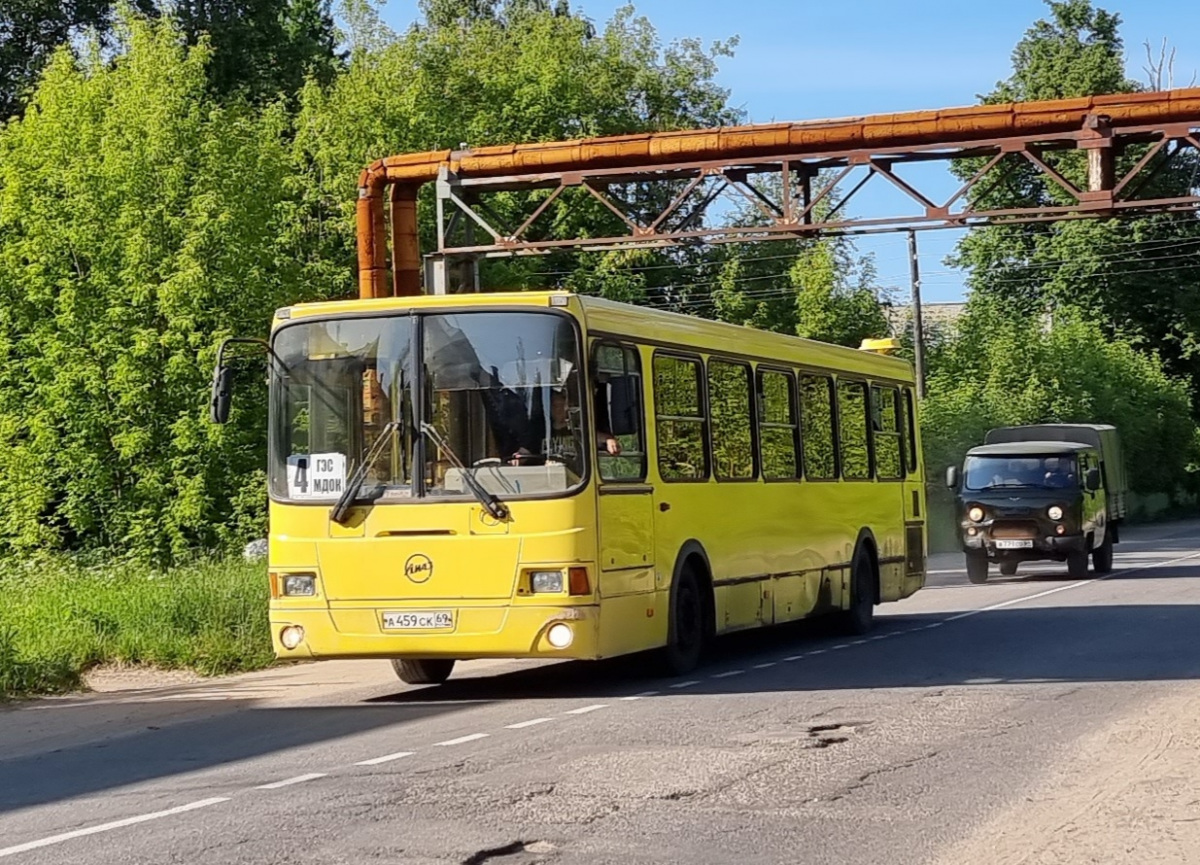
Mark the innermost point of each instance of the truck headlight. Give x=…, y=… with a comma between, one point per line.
x=1055, y=512
x=546, y=582
x=976, y=514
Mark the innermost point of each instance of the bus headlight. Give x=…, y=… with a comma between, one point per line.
x=1055, y=512
x=976, y=514
x=299, y=585
x=291, y=636
x=546, y=582
x=560, y=636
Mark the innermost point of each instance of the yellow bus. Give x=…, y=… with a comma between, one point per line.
x=546, y=475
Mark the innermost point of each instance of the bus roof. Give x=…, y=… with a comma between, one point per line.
x=655, y=326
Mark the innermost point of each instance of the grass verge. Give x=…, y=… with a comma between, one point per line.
x=59, y=618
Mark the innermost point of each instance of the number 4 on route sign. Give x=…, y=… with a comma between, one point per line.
x=316, y=476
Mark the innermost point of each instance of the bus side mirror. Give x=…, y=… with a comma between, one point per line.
x=952, y=477
x=222, y=391
x=623, y=405
x=1092, y=480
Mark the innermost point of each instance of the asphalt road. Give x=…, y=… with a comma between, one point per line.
x=975, y=724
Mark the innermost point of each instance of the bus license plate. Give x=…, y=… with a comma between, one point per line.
x=1014, y=545
x=419, y=620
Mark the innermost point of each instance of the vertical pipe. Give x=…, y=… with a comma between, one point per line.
x=918, y=320
x=406, y=245
x=372, y=251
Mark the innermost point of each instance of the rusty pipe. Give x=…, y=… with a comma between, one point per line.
x=950, y=126
x=406, y=245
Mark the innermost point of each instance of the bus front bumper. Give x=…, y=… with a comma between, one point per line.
x=477, y=632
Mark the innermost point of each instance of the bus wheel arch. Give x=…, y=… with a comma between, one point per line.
x=866, y=542
x=691, y=609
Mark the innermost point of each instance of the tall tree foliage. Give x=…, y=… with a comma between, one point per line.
x=31, y=30
x=139, y=222
x=145, y=214
x=1136, y=277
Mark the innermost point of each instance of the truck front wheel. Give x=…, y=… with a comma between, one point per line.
x=977, y=567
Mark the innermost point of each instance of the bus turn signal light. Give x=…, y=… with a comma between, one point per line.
x=579, y=582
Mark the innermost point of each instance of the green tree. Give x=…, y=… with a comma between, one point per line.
x=503, y=72
x=30, y=31
x=261, y=49
x=1135, y=276
x=1006, y=370
x=139, y=223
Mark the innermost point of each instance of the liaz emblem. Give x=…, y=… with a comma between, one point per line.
x=418, y=568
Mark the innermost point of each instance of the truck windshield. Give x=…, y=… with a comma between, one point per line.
x=1040, y=472
x=501, y=389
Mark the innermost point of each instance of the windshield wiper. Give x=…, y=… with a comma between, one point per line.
x=350, y=493
x=494, y=506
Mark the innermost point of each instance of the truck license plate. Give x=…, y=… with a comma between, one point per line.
x=1014, y=545
x=419, y=620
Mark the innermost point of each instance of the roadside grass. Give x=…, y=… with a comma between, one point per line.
x=59, y=618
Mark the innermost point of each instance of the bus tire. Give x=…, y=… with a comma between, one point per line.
x=860, y=618
x=423, y=671
x=977, y=567
x=686, y=629
x=1102, y=556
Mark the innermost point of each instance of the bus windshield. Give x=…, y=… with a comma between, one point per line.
x=1043, y=472
x=500, y=390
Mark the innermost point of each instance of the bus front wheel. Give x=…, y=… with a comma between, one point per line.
x=685, y=631
x=426, y=671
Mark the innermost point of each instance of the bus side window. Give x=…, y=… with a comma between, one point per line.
x=729, y=413
x=885, y=414
x=680, y=416
x=617, y=410
x=852, y=430
x=816, y=425
x=909, y=426
x=778, y=438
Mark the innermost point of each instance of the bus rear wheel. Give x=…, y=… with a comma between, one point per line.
x=860, y=618
x=424, y=671
x=685, y=630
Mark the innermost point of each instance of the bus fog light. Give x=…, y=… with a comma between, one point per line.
x=560, y=636
x=546, y=582
x=291, y=636
x=1062, y=530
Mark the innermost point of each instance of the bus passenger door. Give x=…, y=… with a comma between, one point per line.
x=625, y=516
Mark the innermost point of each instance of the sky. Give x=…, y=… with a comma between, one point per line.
x=813, y=59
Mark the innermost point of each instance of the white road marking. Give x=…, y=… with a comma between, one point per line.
x=386, y=758
x=686, y=684
x=583, y=710
x=106, y=827
x=523, y=724
x=840, y=646
x=474, y=737
x=765, y=665
x=642, y=695
x=287, y=782
x=727, y=674
x=791, y=658
x=1075, y=585
x=818, y=651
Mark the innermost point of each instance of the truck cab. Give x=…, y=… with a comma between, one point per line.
x=1024, y=501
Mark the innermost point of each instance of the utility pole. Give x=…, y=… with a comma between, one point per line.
x=918, y=322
